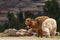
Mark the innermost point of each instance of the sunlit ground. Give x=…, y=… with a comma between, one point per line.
x=30, y=38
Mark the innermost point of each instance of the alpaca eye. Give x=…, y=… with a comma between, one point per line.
x=28, y=20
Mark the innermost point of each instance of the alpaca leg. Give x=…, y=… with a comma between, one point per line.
x=46, y=33
x=54, y=32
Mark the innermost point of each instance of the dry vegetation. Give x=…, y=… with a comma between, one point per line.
x=28, y=38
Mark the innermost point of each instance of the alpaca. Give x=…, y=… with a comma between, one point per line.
x=36, y=24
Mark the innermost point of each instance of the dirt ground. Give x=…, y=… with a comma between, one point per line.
x=27, y=38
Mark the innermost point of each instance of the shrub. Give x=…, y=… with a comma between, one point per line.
x=2, y=28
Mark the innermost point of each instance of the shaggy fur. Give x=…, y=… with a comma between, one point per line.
x=51, y=25
x=43, y=25
x=36, y=24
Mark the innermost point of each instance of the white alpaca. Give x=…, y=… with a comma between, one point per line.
x=49, y=26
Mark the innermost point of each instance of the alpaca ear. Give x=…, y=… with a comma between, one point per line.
x=37, y=20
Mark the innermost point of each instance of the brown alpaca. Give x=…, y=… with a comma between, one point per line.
x=36, y=24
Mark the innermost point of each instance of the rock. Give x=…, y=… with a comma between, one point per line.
x=21, y=32
x=10, y=32
x=57, y=33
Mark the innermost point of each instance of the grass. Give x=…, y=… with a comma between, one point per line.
x=31, y=36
